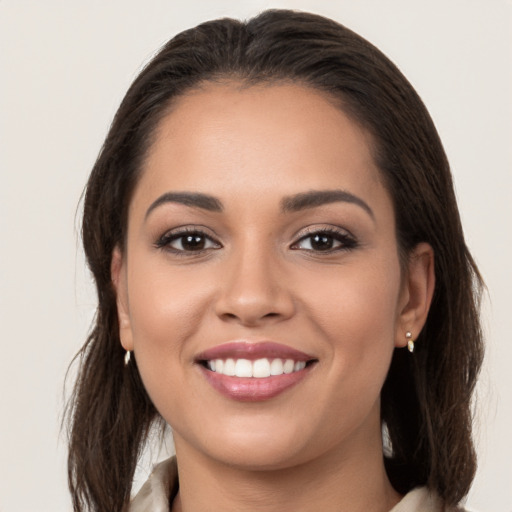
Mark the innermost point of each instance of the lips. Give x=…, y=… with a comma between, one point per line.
x=253, y=351
x=254, y=371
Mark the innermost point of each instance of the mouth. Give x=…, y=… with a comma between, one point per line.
x=254, y=371
x=258, y=369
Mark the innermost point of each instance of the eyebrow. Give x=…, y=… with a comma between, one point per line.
x=194, y=199
x=315, y=198
x=295, y=203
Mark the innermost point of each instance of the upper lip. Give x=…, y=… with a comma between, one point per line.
x=253, y=351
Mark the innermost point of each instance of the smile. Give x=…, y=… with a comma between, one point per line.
x=258, y=369
x=254, y=371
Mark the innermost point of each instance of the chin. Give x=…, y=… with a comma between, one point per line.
x=263, y=447
x=260, y=457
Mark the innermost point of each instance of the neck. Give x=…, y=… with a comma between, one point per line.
x=352, y=481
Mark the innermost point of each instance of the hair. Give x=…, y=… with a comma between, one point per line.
x=427, y=397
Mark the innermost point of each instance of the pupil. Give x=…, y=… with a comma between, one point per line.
x=322, y=242
x=193, y=242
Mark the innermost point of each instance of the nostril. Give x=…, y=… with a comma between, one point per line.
x=230, y=316
x=248, y=318
x=251, y=308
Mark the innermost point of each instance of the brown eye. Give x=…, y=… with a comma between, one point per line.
x=191, y=242
x=322, y=242
x=325, y=241
x=187, y=241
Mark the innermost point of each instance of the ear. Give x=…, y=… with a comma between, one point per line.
x=119, y=281
x=416, y=295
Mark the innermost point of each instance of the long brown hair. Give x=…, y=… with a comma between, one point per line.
x=426, y=399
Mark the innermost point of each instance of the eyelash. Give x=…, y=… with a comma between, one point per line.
x=345, y=240
x=164, y=242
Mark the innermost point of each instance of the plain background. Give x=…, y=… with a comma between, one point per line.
x=64, y=67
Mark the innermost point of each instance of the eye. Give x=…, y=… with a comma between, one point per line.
x=187, y=241
x=326, y=240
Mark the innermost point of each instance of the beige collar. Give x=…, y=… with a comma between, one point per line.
x=161, y=487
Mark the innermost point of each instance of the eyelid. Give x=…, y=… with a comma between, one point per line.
x=322, y=228
x=342, y=235
x=163, y=242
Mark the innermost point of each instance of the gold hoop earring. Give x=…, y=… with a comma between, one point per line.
x=127, y=357
x=410, y=342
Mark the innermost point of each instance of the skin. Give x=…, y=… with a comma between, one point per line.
x=317, y=446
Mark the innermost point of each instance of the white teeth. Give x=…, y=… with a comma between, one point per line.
x=299, y=365
x=243, y=368
x=261, y=368
x=229, y=367
x=276, y=367
x=258, y=369
x=288, y=366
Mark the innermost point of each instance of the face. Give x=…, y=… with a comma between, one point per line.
x=261, y=241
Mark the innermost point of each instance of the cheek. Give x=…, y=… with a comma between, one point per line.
x=355, y=300
x=356, y=311
x=165, y=304
x=166, y=310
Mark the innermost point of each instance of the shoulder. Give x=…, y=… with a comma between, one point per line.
x=162, y=485
x=158, y=491
x=422, y=500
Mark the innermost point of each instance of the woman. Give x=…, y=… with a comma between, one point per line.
x=282, y=278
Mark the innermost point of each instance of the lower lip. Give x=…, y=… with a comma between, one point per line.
x=246, y=389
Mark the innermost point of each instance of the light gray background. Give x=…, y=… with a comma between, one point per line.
x=64, y=66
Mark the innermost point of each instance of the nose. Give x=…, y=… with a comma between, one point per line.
x=254, y=291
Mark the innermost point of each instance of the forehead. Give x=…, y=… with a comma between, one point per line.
x=228, y=138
